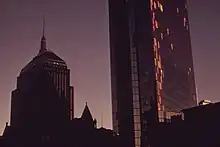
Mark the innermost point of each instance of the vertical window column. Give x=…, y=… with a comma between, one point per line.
x=135, y=84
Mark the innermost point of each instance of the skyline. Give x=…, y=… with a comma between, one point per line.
x=62, y=38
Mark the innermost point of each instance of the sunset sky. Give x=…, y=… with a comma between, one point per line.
x=77, y=30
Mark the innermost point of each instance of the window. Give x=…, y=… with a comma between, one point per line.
x=168, y=31
x=135, y=90
x=156, y=24
x=136, y=105
x=137, y=126
x=133, y=57
x=160, y=6
x=137, y=134
x=155, y=41
x=135, y=83
x=161, y=114
x=136, y=119
x=184, y=20
x=171, y=45
x=135, y=98
x=134, y=63
x=136, y=111
x=155, y=5
x=137, y=142
x=177, y=10
x=161, y=119
x=161, y=36
x=134, y=77
x=158, y=44
x=155, y=61
x=134, y=69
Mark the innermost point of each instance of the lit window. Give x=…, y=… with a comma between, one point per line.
x=151, y=6
x=159, y=64
x=168, y=31
x=156, y=24
x=155, y=41
x=155, y=5
x=158, y=44
x=136, y=118
x=136, y=105
x=177, y=10
x=189, y=71
x=161, y=36
x=137, y=142
x=161, y=8
x=184, y=20
x=159, y=99
x=161, y=119
x=171, y=45
x=136, y=111
x=153, y=15
x=137, y=126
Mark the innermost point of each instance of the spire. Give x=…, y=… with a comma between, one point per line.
x=101, y=119
x=87, y=116
x=43, y=25
x=43, y=39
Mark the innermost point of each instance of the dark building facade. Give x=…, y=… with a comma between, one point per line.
x=43, y=99
x=152, y=73
x=78, y=132
x=42, y=109
x=198, y=127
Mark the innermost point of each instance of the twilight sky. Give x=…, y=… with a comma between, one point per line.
x=77, y=30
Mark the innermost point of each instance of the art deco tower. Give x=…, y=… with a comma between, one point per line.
x=43, y=98
x=152, y=72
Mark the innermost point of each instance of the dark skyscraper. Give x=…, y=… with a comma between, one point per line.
x=43, y=99
x=151, y=65
x=42, y=109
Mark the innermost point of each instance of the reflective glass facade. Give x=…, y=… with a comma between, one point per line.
x=151, y=65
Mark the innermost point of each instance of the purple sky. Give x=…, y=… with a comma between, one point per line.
x=77, y=30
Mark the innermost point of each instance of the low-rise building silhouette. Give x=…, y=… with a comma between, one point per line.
x=79, y=132
x=200, y=128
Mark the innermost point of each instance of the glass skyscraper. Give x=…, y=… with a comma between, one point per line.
x=152, y=72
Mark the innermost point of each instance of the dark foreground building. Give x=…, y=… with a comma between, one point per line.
x=152, y=73
x=79, y=132
x=43, y=99
x=200, y=128
x=42, y=109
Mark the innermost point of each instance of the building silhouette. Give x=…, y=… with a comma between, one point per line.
x=152, y=73
x=198, y=126
x=78, y=132
x=43, y=98
x=42, y=109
